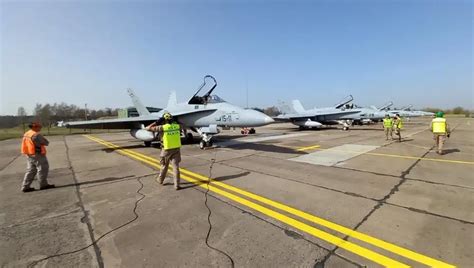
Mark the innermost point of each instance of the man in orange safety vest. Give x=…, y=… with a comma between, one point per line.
x=33, y=146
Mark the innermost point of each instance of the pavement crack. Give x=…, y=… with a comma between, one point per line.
x=85, y=218
x=305, y=183
x=250, y=213
x=430, y=213
x=47, y=217
x=9, y=163
x=380, y=203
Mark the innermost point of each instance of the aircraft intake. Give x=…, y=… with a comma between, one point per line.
x=142, y=134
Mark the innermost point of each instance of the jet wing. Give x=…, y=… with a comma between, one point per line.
x=129, y=122
x=116, y=123
x=298, y=117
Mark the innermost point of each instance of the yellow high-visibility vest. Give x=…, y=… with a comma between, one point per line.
x=399, y=123
x=439, y=125
x=387, y=122
x=171, y=136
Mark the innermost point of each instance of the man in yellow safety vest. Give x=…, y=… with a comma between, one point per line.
x=388, y=126
x=440, y=130
x=398, y=125
x=170, y=149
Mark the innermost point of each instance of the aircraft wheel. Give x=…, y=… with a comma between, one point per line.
x=189, y=138
x=209, y=144
x=147, y=143
x=202, y=145
x=252, y=131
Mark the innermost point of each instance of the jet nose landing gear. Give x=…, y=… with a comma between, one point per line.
x=203, y=144
x=206, y=136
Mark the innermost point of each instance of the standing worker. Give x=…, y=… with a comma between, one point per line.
x=388, y=126
x=440, y=130
x=170, y=149
x=398, y=125
x=33, y=146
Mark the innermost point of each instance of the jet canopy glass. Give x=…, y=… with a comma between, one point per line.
x=215, y=99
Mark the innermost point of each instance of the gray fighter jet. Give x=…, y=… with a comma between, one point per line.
x=407, y=112
x=201, y=114
x=344, y=113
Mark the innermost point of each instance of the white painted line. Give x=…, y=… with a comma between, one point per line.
x=260, y=139
x=335, y=155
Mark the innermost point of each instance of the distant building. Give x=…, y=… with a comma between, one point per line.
x=132, y=111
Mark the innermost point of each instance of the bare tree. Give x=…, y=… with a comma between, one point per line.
x=22, y=114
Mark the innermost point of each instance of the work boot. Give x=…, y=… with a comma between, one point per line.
x=47, y=186
x=27, y=189
x=159, y=181
x=177, y=188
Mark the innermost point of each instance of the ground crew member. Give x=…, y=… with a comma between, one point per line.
x=388, y=126
x=170, y=149
x=33, y=146
x=440, y=130
x=398, y=125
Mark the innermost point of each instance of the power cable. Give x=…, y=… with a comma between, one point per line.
x=213, y=161
x=34, y=263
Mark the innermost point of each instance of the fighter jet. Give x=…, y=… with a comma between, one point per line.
x=345, y=113
x=407, y=112
x=201, y=114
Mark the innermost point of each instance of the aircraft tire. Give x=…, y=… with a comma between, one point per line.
x=202, y=145
x=189, y=138
x=147, y=143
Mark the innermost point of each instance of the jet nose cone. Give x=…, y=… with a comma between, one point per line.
x=268, y=120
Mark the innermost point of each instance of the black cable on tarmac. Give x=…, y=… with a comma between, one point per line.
x=213, y=160
x=34, y=263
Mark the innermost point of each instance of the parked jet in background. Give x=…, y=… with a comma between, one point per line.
x=201, y=114
x=406, y=112
x=344, y=113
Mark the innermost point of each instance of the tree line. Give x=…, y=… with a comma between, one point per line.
x=455, y=110
x=49, y=114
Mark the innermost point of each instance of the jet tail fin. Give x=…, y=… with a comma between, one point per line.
x=406, y=108
x=297, y=106
x=172, y=100
x=385, y=106
x=141, y=109
x=284, y=108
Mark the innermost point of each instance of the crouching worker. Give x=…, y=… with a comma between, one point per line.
x=170, y=149
x=33, y=146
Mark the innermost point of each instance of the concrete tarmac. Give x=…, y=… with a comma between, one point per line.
x=280, y=198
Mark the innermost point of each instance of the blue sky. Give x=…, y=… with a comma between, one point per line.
x=409, y=52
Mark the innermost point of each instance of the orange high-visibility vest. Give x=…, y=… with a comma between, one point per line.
x=28, y=146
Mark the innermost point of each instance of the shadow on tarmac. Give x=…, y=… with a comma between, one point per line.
x=450, y=151
x=105, y=180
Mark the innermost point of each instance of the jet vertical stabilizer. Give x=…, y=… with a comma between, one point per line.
x=172, y=100
x=297, y=106
x=141, y=109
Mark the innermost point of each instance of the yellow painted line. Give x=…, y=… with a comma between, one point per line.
x=339, y=228
x=423, y=158
x=349, y=246
x=308, y=148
